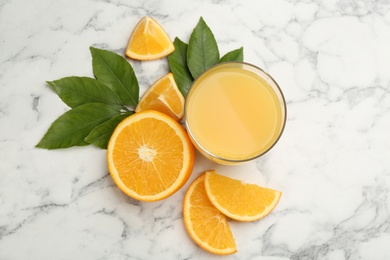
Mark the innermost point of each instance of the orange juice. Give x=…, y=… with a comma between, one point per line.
x=234, y=112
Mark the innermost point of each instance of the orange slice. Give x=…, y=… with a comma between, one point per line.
x=205, y=224
x=238, y=200
x=150, y=156
x=149, y=41
x=163, y=96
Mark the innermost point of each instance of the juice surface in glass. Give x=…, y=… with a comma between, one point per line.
x=234, y=113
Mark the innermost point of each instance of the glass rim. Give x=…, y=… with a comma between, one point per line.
x=275, y=87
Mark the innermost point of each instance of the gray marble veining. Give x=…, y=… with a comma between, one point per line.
x=332, y=61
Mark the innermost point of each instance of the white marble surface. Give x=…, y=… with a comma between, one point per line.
x=332, y=60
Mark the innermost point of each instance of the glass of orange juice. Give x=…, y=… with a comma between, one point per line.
x=234, y=113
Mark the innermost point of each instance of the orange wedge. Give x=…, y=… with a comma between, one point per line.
x=238, y=200
x=205, y=224
x=150, y=156
x=163, y=96
x=149, y=41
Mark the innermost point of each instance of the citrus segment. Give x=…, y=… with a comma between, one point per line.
x=149, y=41
x=163, y=96
x=238, y=200
x=150, y=156
x=205, y=224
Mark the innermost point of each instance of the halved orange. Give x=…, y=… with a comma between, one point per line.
x=205, y=224
x=239, y=200
x=149, y=41
x=163, y=96
x=150, y=156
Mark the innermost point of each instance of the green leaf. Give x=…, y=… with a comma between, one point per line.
x=101, y=134
x=114, y=71
x=178, y=65
x=202, y=52
x=234, y=55
x=71, y=128
x=75, y=91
